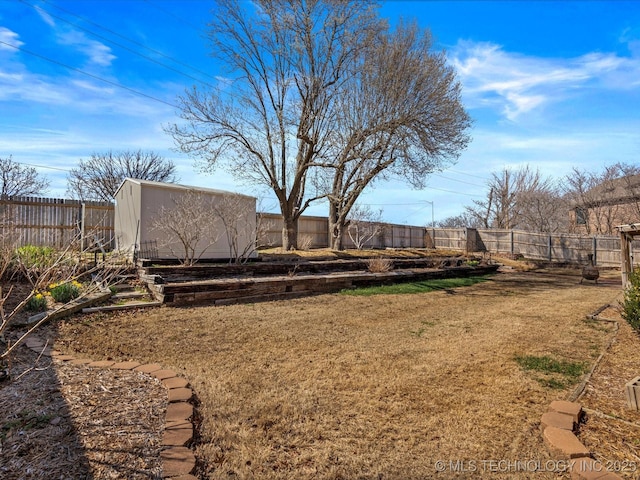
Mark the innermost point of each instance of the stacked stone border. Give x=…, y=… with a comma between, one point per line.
x=559, y=425
x=178, y=461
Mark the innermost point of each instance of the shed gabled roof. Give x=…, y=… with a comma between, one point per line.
x=178, y=186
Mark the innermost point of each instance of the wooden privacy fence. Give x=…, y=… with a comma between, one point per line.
x=316, y=231
x=537, y=246
x=55, y=222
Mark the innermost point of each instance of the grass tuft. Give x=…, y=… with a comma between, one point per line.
x=557, y=374
x=416, y=287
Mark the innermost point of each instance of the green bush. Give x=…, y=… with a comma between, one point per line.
x=65, y=292
x=37, y=303
x=631, y=302
x=39, y=257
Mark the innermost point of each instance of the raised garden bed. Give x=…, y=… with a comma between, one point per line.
x=220, y=285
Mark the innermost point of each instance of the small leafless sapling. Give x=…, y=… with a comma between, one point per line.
x=61, y=267
x=363, y=225
x=189, y=226
x=244, y=230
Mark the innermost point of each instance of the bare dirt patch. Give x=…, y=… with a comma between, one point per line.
x=338, y=386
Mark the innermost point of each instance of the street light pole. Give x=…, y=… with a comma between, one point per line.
x=433, y=225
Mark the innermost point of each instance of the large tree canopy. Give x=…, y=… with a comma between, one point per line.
x=99, y=177
x=401, y=113
x=16, y=179
x=320, y=88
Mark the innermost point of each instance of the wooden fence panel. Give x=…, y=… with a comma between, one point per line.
x=391, y=235
x=570, y=248
x=56, y=222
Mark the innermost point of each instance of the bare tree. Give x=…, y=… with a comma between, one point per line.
x=520, y=199
x=400, y=113
x=363, y=225
x=20, y=180
x=462, y=220
x=273, y=117
x=188, y=227
x=99, y=177
x=630, y=177
x=244, y=230
x=601, y=200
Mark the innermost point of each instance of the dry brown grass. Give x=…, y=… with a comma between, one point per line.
x=338, y=386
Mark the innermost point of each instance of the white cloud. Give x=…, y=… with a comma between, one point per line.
x=11, y=37
x=97, y=52
x=92, y=87
x=48, y=19
x=518, y=84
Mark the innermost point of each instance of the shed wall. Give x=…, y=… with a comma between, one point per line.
x=127, y=215
x=144, y=203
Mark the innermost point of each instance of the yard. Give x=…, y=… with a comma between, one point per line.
x=381, y=386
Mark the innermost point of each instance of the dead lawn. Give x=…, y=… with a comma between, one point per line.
x=338, y=386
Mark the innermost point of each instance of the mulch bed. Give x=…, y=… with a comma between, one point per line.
x=63, y=421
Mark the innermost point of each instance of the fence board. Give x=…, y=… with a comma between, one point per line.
x=56, y=222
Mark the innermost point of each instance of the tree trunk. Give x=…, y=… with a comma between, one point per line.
x=336, y=227
x=289, y=233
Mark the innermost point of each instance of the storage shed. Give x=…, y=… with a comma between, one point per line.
x=141, y=204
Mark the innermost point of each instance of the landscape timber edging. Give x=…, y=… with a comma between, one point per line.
x=223, y=291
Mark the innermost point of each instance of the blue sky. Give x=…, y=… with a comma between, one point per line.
x=551, y=84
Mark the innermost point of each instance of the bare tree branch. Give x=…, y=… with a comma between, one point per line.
x=99, y=177
x=271, y=120
x=401, y=113
x=19, y=180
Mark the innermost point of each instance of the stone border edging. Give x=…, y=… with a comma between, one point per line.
x=178, y=461
x=560, y=424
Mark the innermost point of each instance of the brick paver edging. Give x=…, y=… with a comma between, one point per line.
x=178, y=461
x=558, y=426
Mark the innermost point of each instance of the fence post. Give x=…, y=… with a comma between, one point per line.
x=595, y=250
x=83, y=219
x=550, y=254
x=513, y=250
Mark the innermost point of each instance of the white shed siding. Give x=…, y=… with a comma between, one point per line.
x=140, y=202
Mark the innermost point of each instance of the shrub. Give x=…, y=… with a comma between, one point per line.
x=65, y=292
x=631, y=302
x=305, y=241
x=37, y=303
x=32, y=256
x=380, y=265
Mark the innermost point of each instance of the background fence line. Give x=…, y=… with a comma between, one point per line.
x=555, y=247
x=55, y=222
